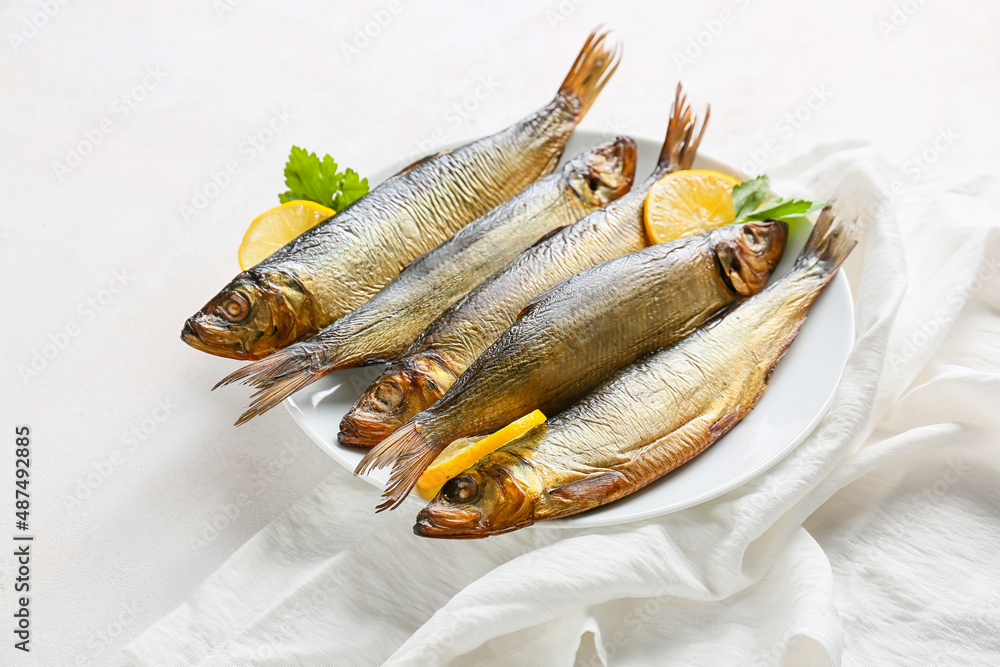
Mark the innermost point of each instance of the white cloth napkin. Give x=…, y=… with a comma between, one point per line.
x=876, y=542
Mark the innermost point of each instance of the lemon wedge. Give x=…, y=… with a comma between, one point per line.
x=688, y=202
x=461, y=454
x=276, y=227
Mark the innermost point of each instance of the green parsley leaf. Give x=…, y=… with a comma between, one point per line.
x=352, y=188
x=308, y=177
x=781, y=209
x=749, y=203
x=749, y=195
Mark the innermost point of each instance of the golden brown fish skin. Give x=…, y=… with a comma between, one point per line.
x=456, y=339
x=576, y=334
x=338, y=265
x=386, y=324
x=261, y=300
x=648, y=418
x=408, y=386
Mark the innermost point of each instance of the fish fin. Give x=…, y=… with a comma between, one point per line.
x=831, y=241
x=277, y=377
x=683, y=137
x=416, y=259
x=419, y=162
x=404, y=439
x=595, y=487
x=531, y=305
x=527, y=309
x=409, y=452
x=726, y=422
x=248, y=374
x=549, y=235
x=405, y=473
x=591, y=70
x=272, y=395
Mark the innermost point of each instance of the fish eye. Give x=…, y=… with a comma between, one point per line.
x=584, y=185
x=462, y=489
x=753, y=242
x=388, y=396
x=234, y=307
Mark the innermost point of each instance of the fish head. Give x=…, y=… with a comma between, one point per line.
x=602, y=174
x=256, y=314
x=401, y=391
x=749, y=252
x=497, y=495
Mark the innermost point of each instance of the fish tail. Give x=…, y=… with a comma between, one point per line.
x=683, y=135
x=277, y=377
x=408, y=469
x=597, y=61
x=830, y=242
x=398, y=443
x=273, y=394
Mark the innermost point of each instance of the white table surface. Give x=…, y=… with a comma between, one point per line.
x=133, y=458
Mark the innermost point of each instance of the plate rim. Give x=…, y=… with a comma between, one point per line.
x=839, y=286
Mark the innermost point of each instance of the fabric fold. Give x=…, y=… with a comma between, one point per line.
x=790, y=568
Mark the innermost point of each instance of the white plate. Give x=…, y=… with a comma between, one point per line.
x=800, y=393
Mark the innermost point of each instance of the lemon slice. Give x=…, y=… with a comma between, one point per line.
x=277, y=226
x=461, y=454
x=688, y=202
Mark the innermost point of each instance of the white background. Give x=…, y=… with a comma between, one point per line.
x=123, y=522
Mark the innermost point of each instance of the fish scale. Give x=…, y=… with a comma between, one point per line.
x=648, y=418
x=460, y=335
x=336, y=266
x=580, y=331
x=386, y=325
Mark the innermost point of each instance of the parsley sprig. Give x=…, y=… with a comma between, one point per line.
x=750, y=203
x=308, y=177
